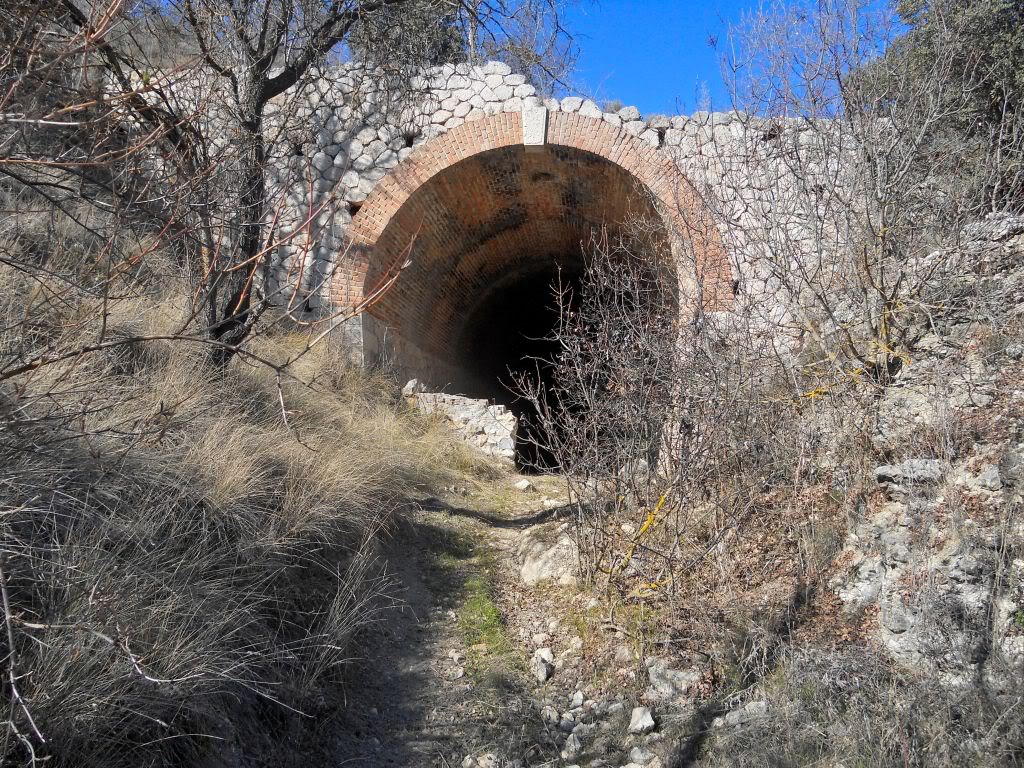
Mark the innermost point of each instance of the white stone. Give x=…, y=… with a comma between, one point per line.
x=388, y=159
x=493, y=81
x=322, y=161
x=590, y=109
x=496, y=68
x=523, y=485
x=635, y=127
x=512, y=105
x=542, y=664
x=535, y=126
x=613, y=119
x=503, y=92
x=546, y=555
x=524, y=90
x=573, y=746
x=673, y=137
x=440, y=117
x=641, y=720
x=570, y=103
x=366, y=135
x=651, y=137
x=350, y=179
x=461, y=110
x=629, y=114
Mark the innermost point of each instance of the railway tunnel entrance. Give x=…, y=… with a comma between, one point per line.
x=482, y=227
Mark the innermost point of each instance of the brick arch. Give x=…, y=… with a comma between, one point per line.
x=652, y=168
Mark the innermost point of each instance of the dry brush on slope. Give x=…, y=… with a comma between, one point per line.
x=182, y=542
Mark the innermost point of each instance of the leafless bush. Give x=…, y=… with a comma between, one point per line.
x=663, y=426
x=852, y=707
x=831, y=186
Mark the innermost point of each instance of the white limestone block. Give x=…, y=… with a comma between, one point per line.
x=651, y=137
x=496, y=68
x=629, y=114
x=634, y=127
x=535, y=126
x=590, y=109
x=322, y=161
x=571, y=103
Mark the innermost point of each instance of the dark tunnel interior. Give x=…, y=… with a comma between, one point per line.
x=509, y=335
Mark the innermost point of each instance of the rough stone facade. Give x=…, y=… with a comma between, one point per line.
x=491, y=428
x=415, y=208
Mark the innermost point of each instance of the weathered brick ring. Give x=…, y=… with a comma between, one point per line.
x=508, y=193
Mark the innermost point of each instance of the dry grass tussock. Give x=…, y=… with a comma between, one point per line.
x=180, y=541
x=851, y=708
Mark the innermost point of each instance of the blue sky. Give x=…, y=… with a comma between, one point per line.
x=652, y=53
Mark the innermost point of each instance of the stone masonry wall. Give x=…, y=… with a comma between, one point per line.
x=491, y=428
x=357, y=132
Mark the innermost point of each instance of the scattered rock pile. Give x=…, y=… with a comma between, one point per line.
x=491, y=428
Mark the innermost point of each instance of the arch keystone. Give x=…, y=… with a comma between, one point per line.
x=535, y=126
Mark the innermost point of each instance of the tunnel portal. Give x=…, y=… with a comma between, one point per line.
x=490, y=238
x=454, y=253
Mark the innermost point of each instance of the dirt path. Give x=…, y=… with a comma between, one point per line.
x=441, y=679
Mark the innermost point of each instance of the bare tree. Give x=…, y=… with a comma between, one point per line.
x=836, y=179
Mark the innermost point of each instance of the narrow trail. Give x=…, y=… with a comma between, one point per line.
x=439, y=680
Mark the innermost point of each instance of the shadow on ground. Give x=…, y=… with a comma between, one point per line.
x=495, y=521
x=400, y=704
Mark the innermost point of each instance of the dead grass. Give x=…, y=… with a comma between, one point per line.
x=179, y=541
